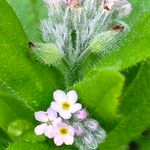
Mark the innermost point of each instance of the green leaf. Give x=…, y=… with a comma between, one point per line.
x=144, y=143
x=27, y=145
x=138, y=9
x=4, y=140
x=134, y=107
x=135, y=48
x=29, y=12
x=33, y=82
x=12, y=107
x=101, y=93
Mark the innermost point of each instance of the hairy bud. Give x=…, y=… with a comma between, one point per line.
x=47, y=53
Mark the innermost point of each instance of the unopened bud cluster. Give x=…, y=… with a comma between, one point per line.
x=88, y=132
x=79, y=27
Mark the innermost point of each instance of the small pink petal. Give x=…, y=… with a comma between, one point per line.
x=59, y=96
x=65, y=114
x=79, y=132
x=69, y=140
x=40, y=129
x=127, y=8
x=72, y=96
x=62, y=124
x=55, y=106
x=71, y=130
x=41, y=116
x=78, y=129
x=81, y=115
x=58, y=140
x=76, y=107
x=57, y=121
x=49, y=132
x=51, y=114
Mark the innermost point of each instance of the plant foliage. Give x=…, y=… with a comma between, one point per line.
x=27, y=85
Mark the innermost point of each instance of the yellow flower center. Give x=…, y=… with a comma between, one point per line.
x=65, y=105
x=63, y=131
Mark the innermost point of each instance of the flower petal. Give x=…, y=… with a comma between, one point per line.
x=57, y=121
x=40, y=129
x=76, y=107
x=58, y=140
x=71, y=131
x=52, y=115
x=55, y=106
x=49, y=132
x=127, y=8
x=69, y=140
x=41, y=116
x=59, y=96
x=65, y=114
x=72, y=96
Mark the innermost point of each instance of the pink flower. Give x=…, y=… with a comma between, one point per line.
x=118, y=4
x=127, y=9
x=48, y=120
x=82, y=114
x=65, y=104
x=63, y=133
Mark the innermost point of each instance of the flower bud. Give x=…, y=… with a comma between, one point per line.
x=127, y=8
x=92, y=124
x=118, y=4
x=47, y=53
x=79, y=129
x=79, y=132
x=100, y=135
x=82, y=114
x=90, y=141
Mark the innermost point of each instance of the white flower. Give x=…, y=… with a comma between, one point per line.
x=48, y=120
x=63, y=133
x=65, y=104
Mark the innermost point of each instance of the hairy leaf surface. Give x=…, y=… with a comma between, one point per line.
x=135, y=48
x=100, y=94
x=33, y=82
x=134, y=107
x=30, y=13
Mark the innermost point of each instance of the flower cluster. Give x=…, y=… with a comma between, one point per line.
x=67, y=123
x=80, y=27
